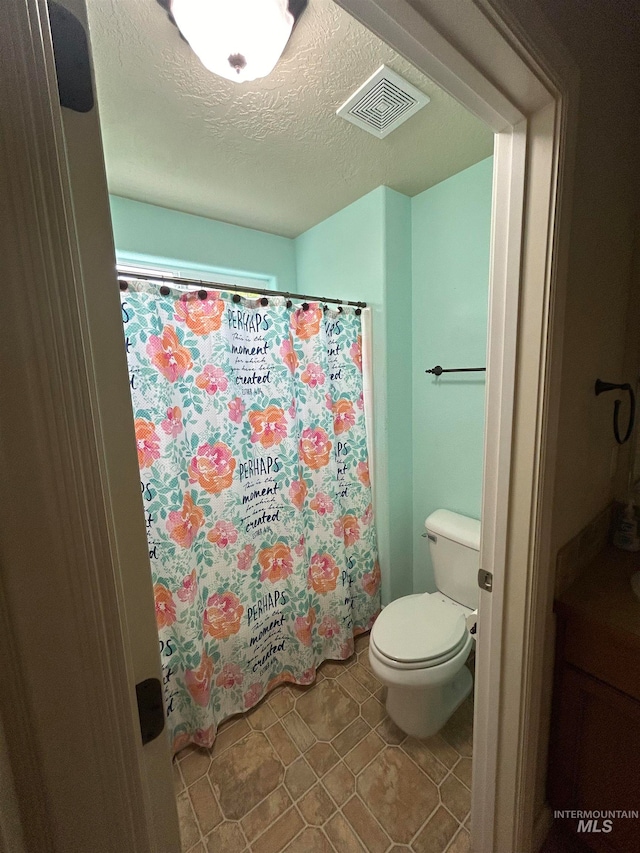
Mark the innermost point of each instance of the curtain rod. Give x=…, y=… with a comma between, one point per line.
x=234, y=287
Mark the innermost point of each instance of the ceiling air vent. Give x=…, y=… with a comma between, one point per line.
x=383, y=103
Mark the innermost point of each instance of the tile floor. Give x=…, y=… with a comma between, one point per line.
x=322, y=768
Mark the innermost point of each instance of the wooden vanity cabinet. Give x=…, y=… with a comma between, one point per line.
x=594, y=759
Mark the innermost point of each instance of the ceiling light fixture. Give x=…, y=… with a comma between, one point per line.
x=237, y=39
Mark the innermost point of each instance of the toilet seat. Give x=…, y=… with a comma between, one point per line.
x=419, y=631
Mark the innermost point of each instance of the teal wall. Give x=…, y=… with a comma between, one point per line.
x=151, y=234
x=451, y=226
x=363, y=252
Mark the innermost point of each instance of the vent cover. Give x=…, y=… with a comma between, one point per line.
x=383, y=103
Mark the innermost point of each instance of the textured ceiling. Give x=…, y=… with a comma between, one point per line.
x=270, y=154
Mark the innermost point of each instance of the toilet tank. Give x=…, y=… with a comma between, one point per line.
x=454, y=543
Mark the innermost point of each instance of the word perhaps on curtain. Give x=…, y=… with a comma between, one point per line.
x=252, y=448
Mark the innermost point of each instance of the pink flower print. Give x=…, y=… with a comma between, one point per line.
x=198, y=681
x=329, y=627
x=222, y=534
x=268, y=426
x=229, y=676
x=351, y=529
x=323, y=572
x=343, y=415
x=236, y=410
x=338, y=529
x=367, y=515
x=245, y=558
x=355, y=351
x=147, y=443
x=169, y=356
x=253, y=695
x=187, y=591
x=299, y=549
x=289, y=355
x=292, y=409
x=213, y=467
x=371, y=580
x=212, y=379
x=313, y=375
x=328, y=401
x=322, y=504
x=362, y=471
x=172, y=424
x=315, y=447
x=303, y=626
x=308, y=676
x=346, y=650
x=298, y=492
x=360, y=401
x=184, y=524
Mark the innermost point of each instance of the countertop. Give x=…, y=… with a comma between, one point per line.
x=602, y=593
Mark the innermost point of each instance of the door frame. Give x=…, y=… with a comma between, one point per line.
x=81, y=776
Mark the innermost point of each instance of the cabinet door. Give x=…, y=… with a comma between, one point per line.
x=595, y=760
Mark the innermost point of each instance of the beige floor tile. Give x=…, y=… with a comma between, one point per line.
x=245, y=774
x=461, y=843
x=299, y=777
x=397, y=793
x=199, y=848
x=463, y=771
x=281, y=702
x=361, y=642
x=445, y=753
x=353, y=687
x=340, y=783
x=321, y=757
x=364, y=752
x=282, y=743
x=342, y=836
x=373, y=712
x=381, y=695
x=279, y=834
x=310, y=840
x=366, y=826
x=261, y=717
x=298, y=730
x=184, y=752
x=456, y=797
x=178, y=781
x=204, y=804
x=365, y=676
x=437, y=833
x=195, y=765
x=354, y=733
x=229, y=735
x=327, y=709
x=390, y=733
x=458, y=731
x=264, y=814
x=425, y=759
x=226, y=838
x=189, y=832
x=332, y=669
x=316, y=806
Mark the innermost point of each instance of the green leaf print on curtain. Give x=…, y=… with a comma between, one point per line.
x=251, y=441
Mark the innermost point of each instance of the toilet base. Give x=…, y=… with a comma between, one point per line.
x=421, y=712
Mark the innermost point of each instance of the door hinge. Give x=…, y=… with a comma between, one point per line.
x=485, y=580
x=150, y=709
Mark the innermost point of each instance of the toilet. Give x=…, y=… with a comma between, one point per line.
x=419, y=644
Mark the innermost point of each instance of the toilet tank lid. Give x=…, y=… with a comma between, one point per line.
x=458, y=528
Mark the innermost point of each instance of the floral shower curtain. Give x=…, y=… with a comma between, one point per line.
x=251, y=441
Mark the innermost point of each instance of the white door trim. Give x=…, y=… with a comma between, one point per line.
x=52, y=446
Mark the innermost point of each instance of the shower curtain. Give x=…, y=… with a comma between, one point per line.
x=252, y=447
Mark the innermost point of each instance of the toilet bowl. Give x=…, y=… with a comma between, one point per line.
x=420, y=643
